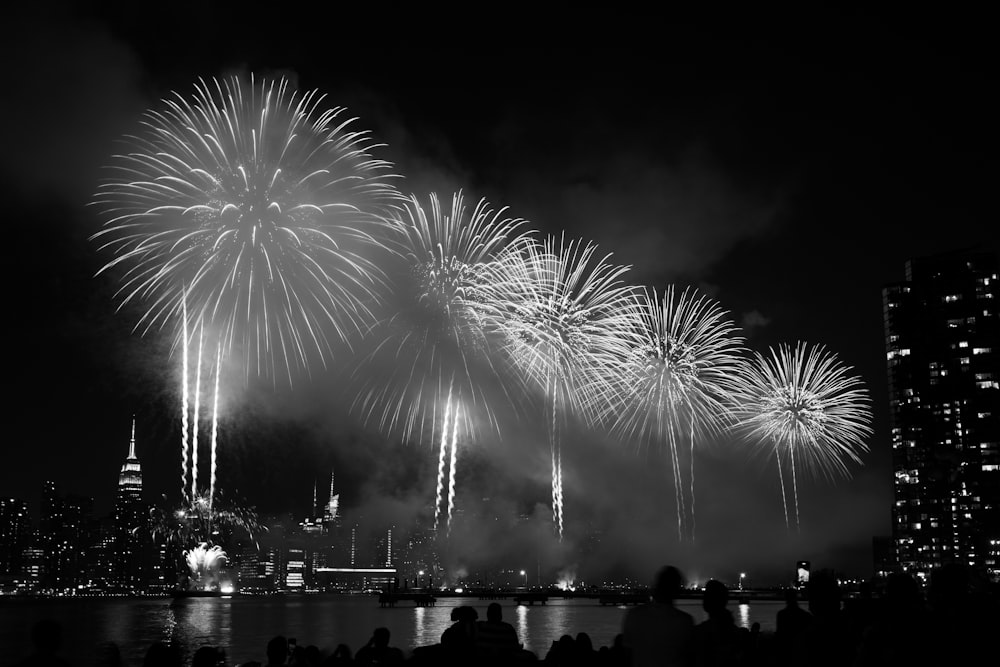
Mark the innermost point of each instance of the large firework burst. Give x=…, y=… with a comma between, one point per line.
x=258, y=204
x=565, y=330
x=433, y=372
x=802, y=405
x=677, y=381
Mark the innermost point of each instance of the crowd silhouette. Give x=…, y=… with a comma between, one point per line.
x=948, y=622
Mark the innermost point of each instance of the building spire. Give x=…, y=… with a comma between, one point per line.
x=131, y=444
x=331, y=483
x=315, y=507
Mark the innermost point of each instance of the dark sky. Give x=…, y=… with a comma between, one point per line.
x=788, y=165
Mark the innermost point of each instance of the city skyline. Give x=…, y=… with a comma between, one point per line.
x=791, y=186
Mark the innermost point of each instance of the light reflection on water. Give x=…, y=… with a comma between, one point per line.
x=243, y=625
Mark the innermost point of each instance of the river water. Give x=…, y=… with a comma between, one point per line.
x=243, y=625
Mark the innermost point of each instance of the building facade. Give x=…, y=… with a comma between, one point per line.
x=942, y=352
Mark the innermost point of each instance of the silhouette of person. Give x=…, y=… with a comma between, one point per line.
x=46, y=637
x=657, y=633
x=716, y=638
x=827, y=640
x=496, y=639
x=583, y=650
x=277, y=651
x=162, y=655
x=208, y=656
x=562, y=652
x=378, y=652
x=459, y=640
x=108, y=655
x=618, y=655
x=791, y=624
x=899, y=634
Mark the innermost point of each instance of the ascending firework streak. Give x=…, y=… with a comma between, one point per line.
x=800, y=403
x=187, y=495
x=432, y=371
x=258, y=207
x=565, y=330
x=679, y=376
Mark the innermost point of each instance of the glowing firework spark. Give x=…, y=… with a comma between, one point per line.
x=679, y=376
x=257, y=205
x=568, y=325
x=197, y=522
x=439, y=376
x=800, y=403
x=204, y=563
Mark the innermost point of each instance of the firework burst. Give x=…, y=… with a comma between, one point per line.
x=678, y=378
x=802, y=405
x=260, y=207
x=565, y=329
x=433, y=372
x=202, y=521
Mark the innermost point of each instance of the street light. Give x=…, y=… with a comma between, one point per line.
x=742, y=577
x=524, y=573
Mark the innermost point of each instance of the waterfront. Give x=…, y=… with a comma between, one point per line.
x=243, y=625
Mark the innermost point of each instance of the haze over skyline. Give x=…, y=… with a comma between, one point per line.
x=788, y=174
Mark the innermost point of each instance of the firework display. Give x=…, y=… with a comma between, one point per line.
x=434, y=372
x=256, y=205
x=566, y=328
x=204, y=562
x=256, y=226
x=801, y=404
x=677, y=382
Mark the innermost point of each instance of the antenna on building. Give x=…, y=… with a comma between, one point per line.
x=131, y=444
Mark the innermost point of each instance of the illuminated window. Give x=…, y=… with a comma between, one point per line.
x=951, y=298
x=981, y=350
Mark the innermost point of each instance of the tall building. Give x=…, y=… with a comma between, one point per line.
x=64, y=533
x=15, y=531
x=129, y=564
x=944, y=399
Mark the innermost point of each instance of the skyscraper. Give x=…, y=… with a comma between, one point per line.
x=941, y=349
x=63, y=533
x=131, y=526
x=14, y=534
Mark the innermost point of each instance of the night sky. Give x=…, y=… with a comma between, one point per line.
x=787, y=165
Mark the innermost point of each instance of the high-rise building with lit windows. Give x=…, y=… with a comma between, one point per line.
x=15, y=531
x=132, y=540
x=941, y=328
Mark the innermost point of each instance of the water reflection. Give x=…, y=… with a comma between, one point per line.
x=419, y=625
x=744, y=616
x=522, y=625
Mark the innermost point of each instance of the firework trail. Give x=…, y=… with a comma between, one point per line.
x=679, y=376
x=801, y=403
x=215, y=424
x=453, y=465
x=196, y=425
x=184, y=400
x=432, y=370
x=442, y=454
x=566, y=327
x=257, y=205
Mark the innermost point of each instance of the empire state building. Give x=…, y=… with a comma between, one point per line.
x=131, y=525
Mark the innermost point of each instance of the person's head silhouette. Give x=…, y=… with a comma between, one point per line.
x=277, y=650
x=494, y=613
x=668, y=584
x=715, y=597
x=380, y=638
